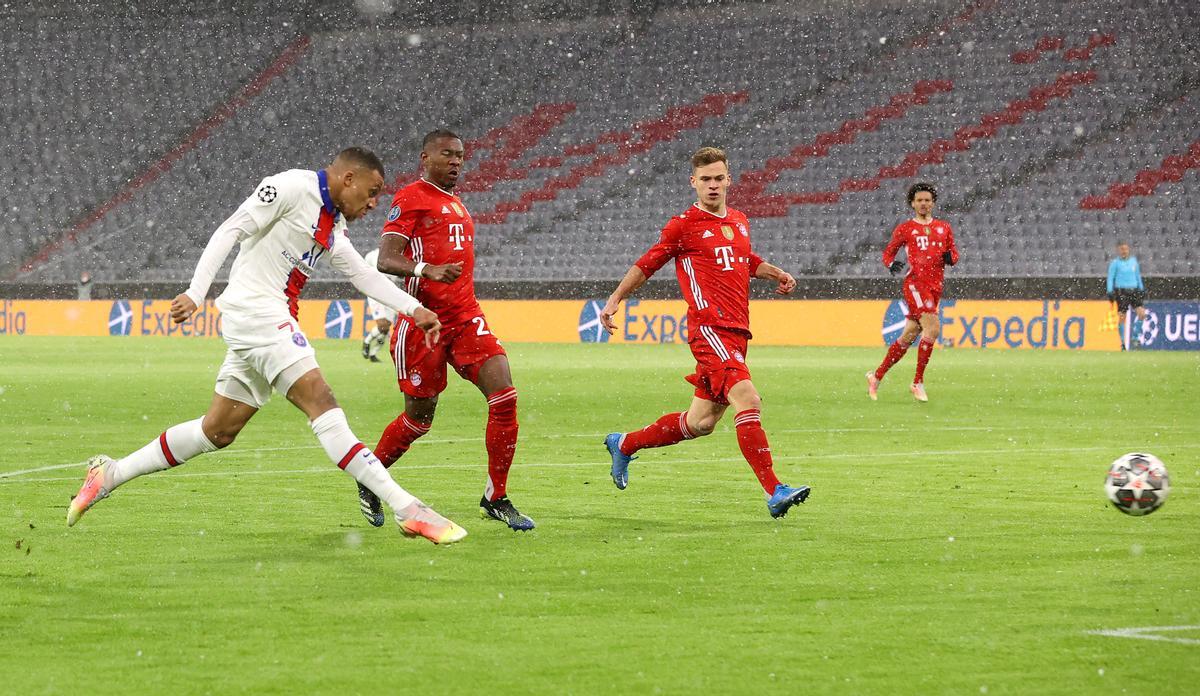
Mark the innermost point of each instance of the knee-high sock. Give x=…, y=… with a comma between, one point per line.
x=668, y=430
x=371, y=336
x=924, y=350
x=175, y=446
x=355, y=459
x=397, y=437
x=755, y=448
x=894, y=353
x=501, y=438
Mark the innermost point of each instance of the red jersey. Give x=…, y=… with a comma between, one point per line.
x=439, y=230
x=926, y=242
x=714, y=264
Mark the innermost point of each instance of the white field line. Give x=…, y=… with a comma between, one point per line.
x=589, y=436
x=1150, y=633
x=599, y=463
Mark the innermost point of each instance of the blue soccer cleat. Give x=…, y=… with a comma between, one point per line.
x=620, y=460
x=784, y=498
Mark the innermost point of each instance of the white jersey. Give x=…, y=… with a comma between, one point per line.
x=285, y=228
x=377, y=310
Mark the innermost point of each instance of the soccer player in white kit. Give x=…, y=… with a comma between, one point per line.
x=290, y=221
x=381, y=314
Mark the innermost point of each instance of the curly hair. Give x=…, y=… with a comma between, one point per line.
x=919, y=187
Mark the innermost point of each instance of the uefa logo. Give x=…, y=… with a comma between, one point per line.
x=590, y=328
x=120, y=318
x=339, y=320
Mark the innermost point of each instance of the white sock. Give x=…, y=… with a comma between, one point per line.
x=179, y=442
x=356, y=459
x=371, y=336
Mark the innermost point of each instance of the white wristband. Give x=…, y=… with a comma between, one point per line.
x=419, y=269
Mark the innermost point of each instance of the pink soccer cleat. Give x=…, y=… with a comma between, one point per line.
x=418, y=519
x=872, y=386
x=918, y=392
x=92, y=491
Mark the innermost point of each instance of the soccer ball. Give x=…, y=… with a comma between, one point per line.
x=1137, y=484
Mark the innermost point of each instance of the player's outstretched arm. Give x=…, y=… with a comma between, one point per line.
x=378, y=287
x=767, y=271
x=634, y=279
x=241, y=225
x=392, y=260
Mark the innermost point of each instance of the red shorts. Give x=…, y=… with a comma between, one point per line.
x=921, y=298
x=720, y=362
x=421, y=371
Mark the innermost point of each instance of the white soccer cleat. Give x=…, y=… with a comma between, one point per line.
x=918, y=392
x=872, y=386
x=418, y=519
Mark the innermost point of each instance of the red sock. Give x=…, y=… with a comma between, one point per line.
x=894, y=353
x=755, y=448
x=667, y=430
x=501, y=438
x=398, y=437
x=924, y=350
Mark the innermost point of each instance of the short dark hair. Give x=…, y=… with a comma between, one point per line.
x=435, y=135
x=708, y=155
x=362, y=157
x=918, y=188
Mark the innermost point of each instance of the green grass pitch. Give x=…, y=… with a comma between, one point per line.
x=961, y=546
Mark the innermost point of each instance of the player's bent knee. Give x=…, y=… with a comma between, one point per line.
x=221, y=436
x=704, y=427
x=223, y=439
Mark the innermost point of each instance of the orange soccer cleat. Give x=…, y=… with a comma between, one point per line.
x=418, y=519
x=872, y=386
x=92, y=491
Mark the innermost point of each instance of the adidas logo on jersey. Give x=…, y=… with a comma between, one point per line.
x=707, y=234
x=445, y=210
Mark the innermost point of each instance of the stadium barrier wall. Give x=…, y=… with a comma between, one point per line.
x=986, y=324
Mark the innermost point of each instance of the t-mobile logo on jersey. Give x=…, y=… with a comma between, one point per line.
x=724, y=257
x=456, y=235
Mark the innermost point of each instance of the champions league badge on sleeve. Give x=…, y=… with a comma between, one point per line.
x=394, y=213
x=267, y=193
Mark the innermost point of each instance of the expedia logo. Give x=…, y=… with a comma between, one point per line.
x=339, y=320
x=120, y=318
x=635, y=325
x=590, y=328
x=994, y=325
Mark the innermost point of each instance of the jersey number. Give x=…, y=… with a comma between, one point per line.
x=480, y=326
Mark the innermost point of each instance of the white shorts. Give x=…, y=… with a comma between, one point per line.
x=262, y=354
x=380, y=311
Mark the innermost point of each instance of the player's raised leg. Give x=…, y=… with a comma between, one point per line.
x=752, y=440
x=311, y=394
x=494, y=379
x=668, y=430
x=215, y=430
x=376, y=338
x=930, y=330
x=894, y=354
